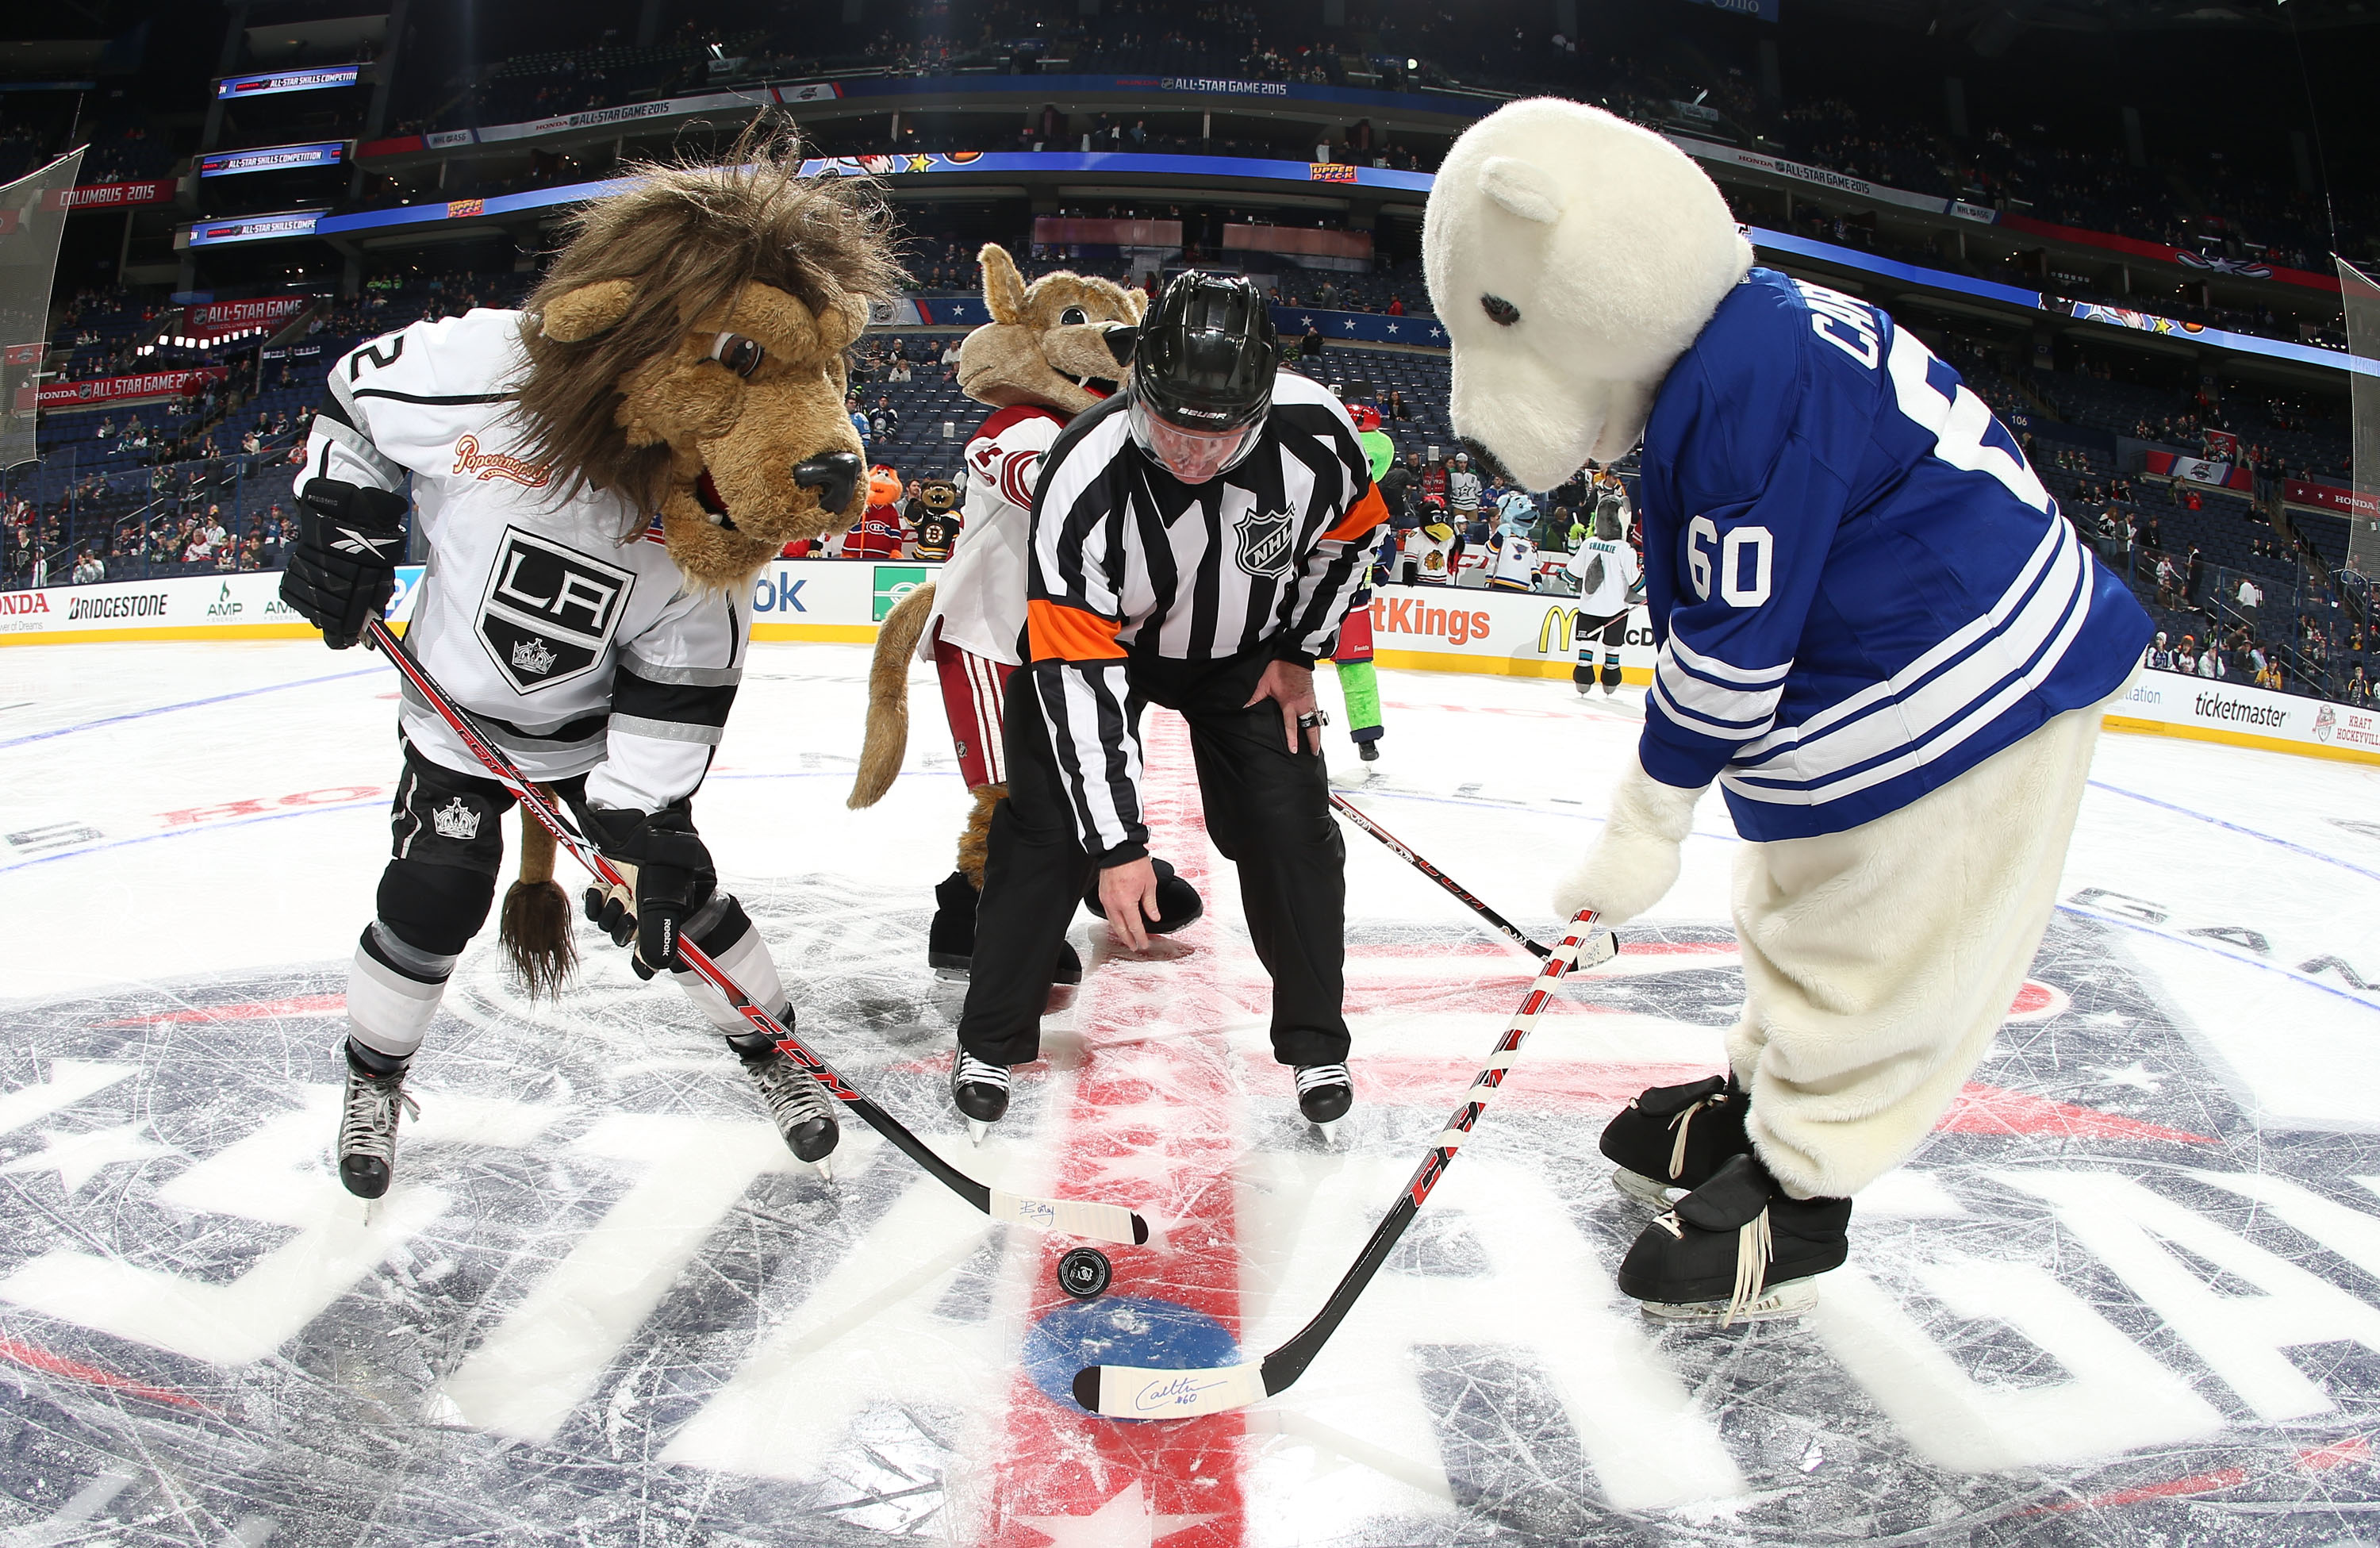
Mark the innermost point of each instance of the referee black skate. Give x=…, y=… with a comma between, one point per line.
x=1197, y=540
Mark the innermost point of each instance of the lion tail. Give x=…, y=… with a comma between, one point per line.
x=888, y=698
x=535, y=924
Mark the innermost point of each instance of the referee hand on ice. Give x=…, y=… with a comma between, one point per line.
x=1128, y=895
x=1291, y=687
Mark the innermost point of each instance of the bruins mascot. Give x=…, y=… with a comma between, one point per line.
x=1052, y=350
x=597, y=479
x=1875, y=633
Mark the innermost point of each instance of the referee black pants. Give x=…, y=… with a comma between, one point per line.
x=1268, y=811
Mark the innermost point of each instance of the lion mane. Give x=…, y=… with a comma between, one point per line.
x=679, y=243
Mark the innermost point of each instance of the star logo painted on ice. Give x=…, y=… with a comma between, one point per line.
x=1124, y=1521
x=79, y=1157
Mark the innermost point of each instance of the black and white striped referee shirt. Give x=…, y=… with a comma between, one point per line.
x=1127, y=559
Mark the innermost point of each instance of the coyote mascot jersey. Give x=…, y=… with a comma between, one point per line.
x=1877, y=633
x=1051, y=350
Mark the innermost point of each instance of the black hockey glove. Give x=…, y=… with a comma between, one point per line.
x=344, y=566
x=672, y=876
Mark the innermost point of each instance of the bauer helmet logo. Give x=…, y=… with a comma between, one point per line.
x=456, y=821
x=1264, y=544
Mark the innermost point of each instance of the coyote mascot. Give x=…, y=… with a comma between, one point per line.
x=597, y=479
x=1051, y=351
x=1875, y=631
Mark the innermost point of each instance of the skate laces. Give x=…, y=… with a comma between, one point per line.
x=369, y=1128
x=972, y=1071
x=1754, y=1248
x=1309, y=1077
x=1683, y=1121
x=791, y=1096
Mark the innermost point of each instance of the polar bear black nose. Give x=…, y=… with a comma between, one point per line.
x=834, y=476
x=1500, y=312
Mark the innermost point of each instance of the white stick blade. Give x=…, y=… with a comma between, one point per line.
x=1071, y=1217
x=1130, y=1392
x=1596, y=950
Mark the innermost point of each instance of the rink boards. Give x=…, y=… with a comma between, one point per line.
x=1430, y=628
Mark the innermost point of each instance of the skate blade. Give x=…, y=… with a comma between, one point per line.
x=1651, y=1192
x=1780, y=1303
x=977, y=1129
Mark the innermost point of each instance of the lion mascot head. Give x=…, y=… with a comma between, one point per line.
x=688, y=349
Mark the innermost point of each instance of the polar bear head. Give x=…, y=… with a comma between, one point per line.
x=1571, y=257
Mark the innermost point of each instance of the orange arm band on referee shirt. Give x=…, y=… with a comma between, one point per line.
x=1057, y=632
x=1361, y=518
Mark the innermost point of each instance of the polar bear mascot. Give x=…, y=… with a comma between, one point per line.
x=1875, y=631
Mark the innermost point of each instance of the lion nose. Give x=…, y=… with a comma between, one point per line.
x=834, y=476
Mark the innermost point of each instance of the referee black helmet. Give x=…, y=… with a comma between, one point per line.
x=1202, y=374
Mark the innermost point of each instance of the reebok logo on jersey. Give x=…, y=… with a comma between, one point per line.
x=1265, y=541
x=549, y=611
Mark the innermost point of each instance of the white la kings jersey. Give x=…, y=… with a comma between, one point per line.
x=979, y=599
x=1606, y=570
x=580, y=653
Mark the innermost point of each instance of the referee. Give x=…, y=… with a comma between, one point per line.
x=1197, y=540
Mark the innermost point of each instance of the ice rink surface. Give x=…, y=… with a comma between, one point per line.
x=2129, y=1293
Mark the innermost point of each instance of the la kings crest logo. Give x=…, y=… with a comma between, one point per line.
x=455, y=821
x=1265, y=541
x=549, y=611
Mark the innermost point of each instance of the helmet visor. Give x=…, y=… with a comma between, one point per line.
x=1191, y=455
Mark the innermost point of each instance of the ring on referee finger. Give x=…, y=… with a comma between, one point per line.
x=1313, y=718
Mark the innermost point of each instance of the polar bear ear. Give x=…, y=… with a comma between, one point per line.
x=1523, y=188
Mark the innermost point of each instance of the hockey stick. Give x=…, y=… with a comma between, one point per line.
x=1109, y=1223
x=1131, y=1392
x=1355, y=814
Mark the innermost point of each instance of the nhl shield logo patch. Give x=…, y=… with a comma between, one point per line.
x=549, y=611
x=1264, y=539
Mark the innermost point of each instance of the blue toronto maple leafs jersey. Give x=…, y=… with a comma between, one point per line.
x=1858, y=588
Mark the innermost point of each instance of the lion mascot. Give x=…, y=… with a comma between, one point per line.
x=1052, y=350
x=597, y=479
x=1875, y=631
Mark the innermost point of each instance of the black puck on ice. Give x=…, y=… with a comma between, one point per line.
x=1083, y=1273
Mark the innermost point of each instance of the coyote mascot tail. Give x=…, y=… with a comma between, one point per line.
x=887, y=742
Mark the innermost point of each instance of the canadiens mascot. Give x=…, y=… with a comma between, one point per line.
x=598, y=477
x=1875, y=631
x=1052, y=350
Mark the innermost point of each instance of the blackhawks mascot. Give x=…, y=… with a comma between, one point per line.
x=1875, y=631
x=1051, y=351
x=597, y=479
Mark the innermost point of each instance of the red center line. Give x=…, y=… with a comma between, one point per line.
x=1152, y=1118
x=43, y=1360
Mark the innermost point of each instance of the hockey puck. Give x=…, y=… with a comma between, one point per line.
x=1083, y=1273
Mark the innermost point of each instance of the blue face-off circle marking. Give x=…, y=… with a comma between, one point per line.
x=1122, y=1330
